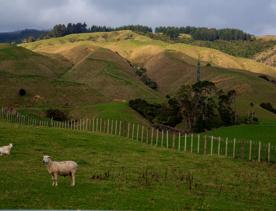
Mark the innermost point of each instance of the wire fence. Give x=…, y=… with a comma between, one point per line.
x=182, y=142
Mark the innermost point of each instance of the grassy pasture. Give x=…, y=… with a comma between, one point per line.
x=116, y=173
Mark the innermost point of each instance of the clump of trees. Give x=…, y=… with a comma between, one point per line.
x=268, y=107
x=61, y=30
x=201, y=107
x=142, y=73
x=203, y=33
x=166, y=114
x=56, y=115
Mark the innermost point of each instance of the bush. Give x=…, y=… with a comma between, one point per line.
x=268, y=107
x=22, y=92
x=56, y=115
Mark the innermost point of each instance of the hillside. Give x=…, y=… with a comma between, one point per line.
x=116, y=173
x=170, y=65
x=70, y=80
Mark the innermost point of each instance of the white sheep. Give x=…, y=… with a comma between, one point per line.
x=6, y=150
x=62, y=168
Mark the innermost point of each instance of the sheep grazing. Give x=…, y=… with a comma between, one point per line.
x=6, y=150
x=62, y=168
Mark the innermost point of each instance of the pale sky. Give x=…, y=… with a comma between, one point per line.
x=253, y=16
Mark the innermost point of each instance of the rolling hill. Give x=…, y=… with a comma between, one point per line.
x=170, y=65
x=69, y=81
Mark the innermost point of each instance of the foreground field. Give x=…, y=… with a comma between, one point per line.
x=116, y=173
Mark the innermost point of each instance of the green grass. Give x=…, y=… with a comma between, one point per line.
x=265, y=132
x=115, y=173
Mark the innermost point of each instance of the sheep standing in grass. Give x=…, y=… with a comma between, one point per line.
x=6, y=150
x=62, y=168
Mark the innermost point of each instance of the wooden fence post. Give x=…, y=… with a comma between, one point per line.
x=185, y=143
x=268, y=152
x=132, y=132
x=108, y=122
x=112, y=125
x=192, y=142
x=212, y=144
x=137, y=132
x=226, y=147
x=234, y=148
x=128, y=130
x=120, y=128
x=148, y=135
x=259, y=152
x=116, y=127
x=219, y=146
x=179, y=141
x=198, y=143
x=151, y=139
x=142, y=134
x=167, y=139
x=250, y=150
x=205, y=145
x=157, y=134
x=162, y=138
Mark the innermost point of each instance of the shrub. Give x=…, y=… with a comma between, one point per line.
x=22, y=92
x=56, y=115
x=268, y=107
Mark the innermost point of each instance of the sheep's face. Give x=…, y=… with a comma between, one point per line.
x=11, y=145
x=46, y=159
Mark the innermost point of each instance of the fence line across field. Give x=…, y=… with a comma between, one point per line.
x=193, y=143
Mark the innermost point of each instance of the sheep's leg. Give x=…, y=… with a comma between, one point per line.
x=73, y=179
x=55, y=180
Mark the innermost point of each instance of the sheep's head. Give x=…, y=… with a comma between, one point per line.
x=46, y=159
x=11, y=145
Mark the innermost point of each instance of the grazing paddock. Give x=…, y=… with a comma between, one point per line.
x=117, y=173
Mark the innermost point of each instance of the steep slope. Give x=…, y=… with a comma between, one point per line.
x=267, y=57
x=20, y=61
x=68, y=78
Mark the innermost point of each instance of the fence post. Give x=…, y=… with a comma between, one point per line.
x=219, y=146
x=185, y=143
x=151, y=139
x=268, y=152
x=259, y=151
x=157, y=134
x=132, y=132
x=212, y=144
x=162, y=138
x=205, y=145
x=179, y=141
x=192, y=142
x=226, y=147
x=198, y=143
x=128, y=128
x=137, y=132
x=142, y=134
x=116, y=127
x=167, y=139
x=107, y=127
x=112, y=126
x=234, y=148
x=120, y=128
x=147, y=135
x=250, y=151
